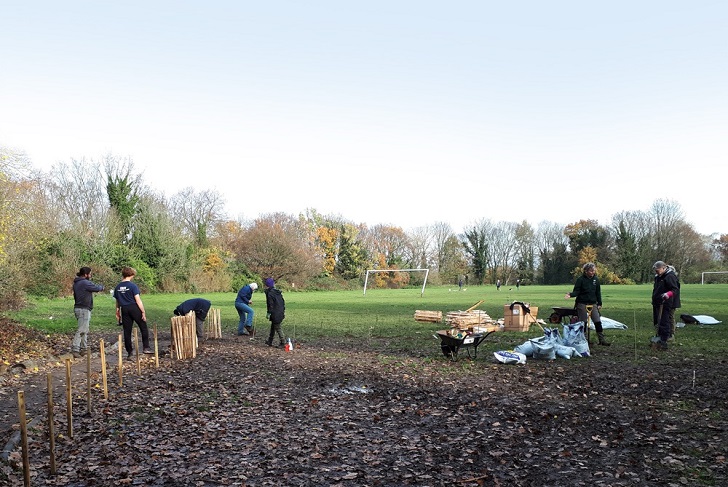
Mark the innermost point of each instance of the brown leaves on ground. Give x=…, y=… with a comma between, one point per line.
x=242, y=413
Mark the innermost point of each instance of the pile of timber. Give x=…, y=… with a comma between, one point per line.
x=428, y=316
x=213, y=327
x=465, y=320
x=184, y=336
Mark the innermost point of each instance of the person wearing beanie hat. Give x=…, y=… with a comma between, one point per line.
x=245, y=311
x=276, y=307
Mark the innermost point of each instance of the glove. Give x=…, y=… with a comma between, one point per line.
x=666, y=296
x=267, y=316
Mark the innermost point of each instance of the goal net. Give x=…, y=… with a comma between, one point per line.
x=711, y=278
x=372, y=271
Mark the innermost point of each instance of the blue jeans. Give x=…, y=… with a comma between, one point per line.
x=246, y=316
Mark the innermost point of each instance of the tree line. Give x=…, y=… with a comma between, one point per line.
x=102, y=214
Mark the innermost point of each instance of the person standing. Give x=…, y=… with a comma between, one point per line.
x=245, y=311
x=498, y=284
x=130, y=310
x=276, y=307
x=83, y=303
x=588, y=292
x=201, y=307
x=676, y=303
x=665, y=297
x=518, y=284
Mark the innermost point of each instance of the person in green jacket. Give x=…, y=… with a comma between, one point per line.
x=588, y=291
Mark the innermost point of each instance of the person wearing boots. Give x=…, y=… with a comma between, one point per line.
x=588, y=291
x=276, y=307
x=665, y=296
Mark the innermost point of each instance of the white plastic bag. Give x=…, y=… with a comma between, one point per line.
x=510, y=357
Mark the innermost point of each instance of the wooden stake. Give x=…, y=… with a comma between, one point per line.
x=24, y=438
x=51, y=426
x=136, y=349
x=121, y=365
x=156, y=347
x=88, y=381
x=102, y=351
x=69, y=400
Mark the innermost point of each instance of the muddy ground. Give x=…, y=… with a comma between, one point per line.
x=242, y=413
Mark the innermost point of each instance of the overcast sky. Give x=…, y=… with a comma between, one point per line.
x=397, y=112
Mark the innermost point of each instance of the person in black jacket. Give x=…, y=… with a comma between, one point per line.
x=276, y=306
x=83, y=303
x=201, y=307
x=665, y=298
x=588, y=291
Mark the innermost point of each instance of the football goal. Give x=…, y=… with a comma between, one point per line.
x=424, y=283
x=702, y=275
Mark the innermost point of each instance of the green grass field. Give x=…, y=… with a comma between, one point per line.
x=386, y=317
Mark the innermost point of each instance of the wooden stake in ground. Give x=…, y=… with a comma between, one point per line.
x=136, y=349
x=24, y=438
x=156, y=347
x=88, y=381
x=121, y=365
x=102, y=351
x=69, y=400
x=51, y=426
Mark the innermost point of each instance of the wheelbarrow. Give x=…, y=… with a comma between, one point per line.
x=451, y=345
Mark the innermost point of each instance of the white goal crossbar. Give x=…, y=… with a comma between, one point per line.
x=702, y=275
x=426, y=271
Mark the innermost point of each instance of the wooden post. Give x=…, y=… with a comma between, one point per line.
x=136, y=350
x=24, y=438
x=121, y=365
x=102, y=351
x=51, y=426
x=156, y=347
x=69, y=400
x=88, y=382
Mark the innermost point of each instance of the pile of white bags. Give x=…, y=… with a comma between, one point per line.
x=572, y=343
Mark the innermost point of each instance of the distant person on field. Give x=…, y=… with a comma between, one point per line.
x=130, y=310
x=676, y=304
x=518, y=284
x=588, y=291
x=460, y=283
x=665, y=296
x=201, y=307
x=83, y=303
x=246, y=313
x=498, y=284
x=276, y=307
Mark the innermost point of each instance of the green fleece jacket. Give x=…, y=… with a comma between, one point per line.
x=587, y=290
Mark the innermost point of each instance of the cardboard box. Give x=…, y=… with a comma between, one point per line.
x=516, y=319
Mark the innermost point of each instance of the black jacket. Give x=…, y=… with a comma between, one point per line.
x=275, y=304
x=667, y=281
x=587, y=290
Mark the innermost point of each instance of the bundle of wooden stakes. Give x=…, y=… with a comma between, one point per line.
x=465, y=320
x=184, y=336
x=428, y=316
x=212, y=324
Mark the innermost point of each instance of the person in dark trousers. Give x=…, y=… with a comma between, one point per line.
x=201, y=307
x=588, y=291
x=498, y=284
x=245, y=311
x=518, y=284
x=676, y=304
x=665, y=297
x=276, y=307
x=130, y=310
x=83, y=303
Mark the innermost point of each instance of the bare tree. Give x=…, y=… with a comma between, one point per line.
x=78, y=191
x=198, y=212
x=420, y=247
x=441, y=233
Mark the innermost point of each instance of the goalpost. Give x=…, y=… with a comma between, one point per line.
x=426, y=271
x=702, y=275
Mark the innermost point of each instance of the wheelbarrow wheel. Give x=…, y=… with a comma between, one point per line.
x=449, y=351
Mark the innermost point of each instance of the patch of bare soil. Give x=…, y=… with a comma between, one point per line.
x=242, y=413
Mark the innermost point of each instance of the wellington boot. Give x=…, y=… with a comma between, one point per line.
x=602, y=340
